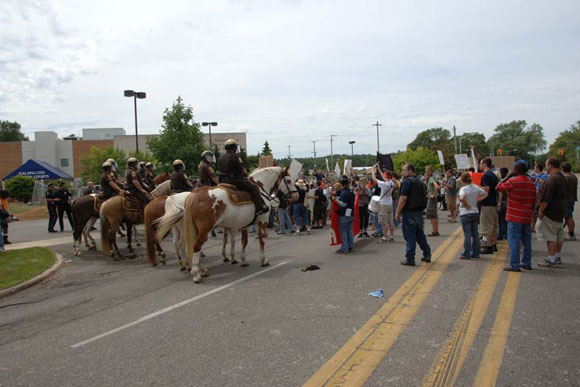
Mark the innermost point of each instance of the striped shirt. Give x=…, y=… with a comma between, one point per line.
x=521, y=198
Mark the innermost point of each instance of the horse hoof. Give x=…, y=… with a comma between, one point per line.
x=197, y=279
x=183, y=269
x=138, y=244
x=202, y=254
x=245, y=264
x=93, y=248
x=266, y=264
x=234, y=262
x=226, y=259
x=131, y=256
x=164, y=262
x=153, y=264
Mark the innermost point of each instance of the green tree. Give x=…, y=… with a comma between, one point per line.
x=93, y=162
x=515, y=139
x=568, y=141
x=476, y=140
x=431, y=138
x=180, y=138
x=20, y=187
x=10, y=131
x=419, y=157
x=266, y=150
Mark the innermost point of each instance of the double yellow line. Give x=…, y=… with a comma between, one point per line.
x=355, y=362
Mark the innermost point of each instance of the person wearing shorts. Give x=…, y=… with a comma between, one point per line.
x=386, y=216
x=489, y=220
x=572, y=198
x=451, y=192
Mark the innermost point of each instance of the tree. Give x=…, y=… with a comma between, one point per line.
x=93, y=162
x=515, y=139
x=431, y=137
x=266, y=151
x=20, y=187
x=568, y=141
x=419, y=157
x=10, y=131
x=180, y=138
x=476, y=140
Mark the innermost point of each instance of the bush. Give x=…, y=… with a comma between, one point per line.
x=21, y=187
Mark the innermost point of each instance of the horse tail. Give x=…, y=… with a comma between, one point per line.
x=173, y=214
x=75, y=221
x=150, y=237
x=105, y=229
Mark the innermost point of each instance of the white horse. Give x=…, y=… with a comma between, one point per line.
x=210, y=207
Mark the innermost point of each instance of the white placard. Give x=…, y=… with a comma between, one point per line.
x=348, y=167
x=441, y=159
x=474, y=159
x=327, y=167
x=294, y=170
x=337, y=169
x=462, y=161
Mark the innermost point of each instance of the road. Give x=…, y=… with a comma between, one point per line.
x=98, y=322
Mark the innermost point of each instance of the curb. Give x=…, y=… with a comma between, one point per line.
x=33, y=281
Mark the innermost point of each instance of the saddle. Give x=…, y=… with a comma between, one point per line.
x=237, y=196
x=131, y=203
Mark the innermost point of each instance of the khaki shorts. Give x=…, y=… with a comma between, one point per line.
x=452, y=203
x=431, y=211
x=550, y=231
x=488, y=221
x=386, y=214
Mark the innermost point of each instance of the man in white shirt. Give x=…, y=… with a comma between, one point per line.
x=386, y=215
x=469, y=196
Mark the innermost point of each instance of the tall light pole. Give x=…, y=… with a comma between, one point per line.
x=135, y=95
x=352, y=148
x=332, y=136
x=455, y=138
x=377, y=125
x=209, y=124
x=314, y=152
x=289, y=156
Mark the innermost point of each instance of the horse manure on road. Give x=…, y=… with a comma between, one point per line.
x=311, y=268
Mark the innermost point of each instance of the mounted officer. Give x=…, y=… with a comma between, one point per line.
x=207, y=174
x=179, y=181
x=114, y=174
x=134, y=182
x=108, y=185
x=149, y=175
x=232, y=171
x=142, y=173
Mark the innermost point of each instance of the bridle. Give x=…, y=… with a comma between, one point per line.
x=281, y=178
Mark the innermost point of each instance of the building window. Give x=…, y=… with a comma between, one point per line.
x=64, y=162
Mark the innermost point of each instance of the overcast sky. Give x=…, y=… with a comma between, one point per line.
x=292, y=72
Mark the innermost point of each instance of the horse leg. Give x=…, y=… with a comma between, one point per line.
x=129, y=236
x=195, y=268
x=160, y=252
x=233, y=233
x=224, y=244
x=92, y=245
x=244, y=244
x=115, y=253
x=261, y=234
x=178, y=246
x=137, y=242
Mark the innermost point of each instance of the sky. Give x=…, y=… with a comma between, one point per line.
x=293, y=72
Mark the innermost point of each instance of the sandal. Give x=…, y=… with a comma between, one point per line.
x=433, y=234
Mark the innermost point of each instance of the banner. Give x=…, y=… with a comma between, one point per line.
x=348, y=167
x=294, y=170
x=441, y=159
x=385, y=162
x=462, y=161
x=327, y=167
x=474, y=159
x=337, y=170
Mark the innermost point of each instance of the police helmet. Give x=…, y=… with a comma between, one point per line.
x=107, y=165
x=208, y=155
x=132, y=161
x=141, y=164
x=231, y=144
x=150, y=165
x=178, y=163
x=113, y=163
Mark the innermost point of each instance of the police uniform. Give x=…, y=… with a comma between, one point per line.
x=143, y=179
x=108, y=191
x=232, y=172
x=179, y=182
x=52, y=216
x=206, y=173
x=149, y=176
x=64, y=206
x=131, y=176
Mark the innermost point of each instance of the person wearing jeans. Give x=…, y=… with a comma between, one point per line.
x=469, y=195
x=346, y=217
x=521, y=199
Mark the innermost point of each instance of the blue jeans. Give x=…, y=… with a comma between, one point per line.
x=284, y=219
x=345, y=225
x=300, y=216
x=413, y=232
x=377, y=223
x=1, y=237
x=502, y=223
x=471, y=246
x=519, y=232
x=271, y=218
x=395, y=205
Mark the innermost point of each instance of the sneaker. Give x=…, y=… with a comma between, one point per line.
x=360, y=236
x=351, y=250
x=407, y=263
x=391, y=239
x=281, y=233
x=297, y=233
x=366, y=234
x=558, y=261
x=341, y=251
x=525, y=267
x=462, y=257
x=426, y=259
x=509, y=268
x=487, y=250
x=571, y=238
x=382, y=240
x=547, y=262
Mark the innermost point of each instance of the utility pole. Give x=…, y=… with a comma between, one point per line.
x=289, y=156
x=314, y=146
x=377, y=125
x=455, y=138
x=332, y=136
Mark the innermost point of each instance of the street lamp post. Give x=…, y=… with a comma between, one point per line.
x=377, y=125
x=352, y=148
x=209, y=125
x=135, y=95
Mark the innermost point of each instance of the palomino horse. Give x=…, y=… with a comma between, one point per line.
x=210, y=207
x=85, y=212
x=118, y=210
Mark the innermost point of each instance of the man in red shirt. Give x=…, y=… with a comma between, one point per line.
x=521, y=192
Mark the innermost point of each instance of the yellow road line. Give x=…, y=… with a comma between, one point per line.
x=358, y=358
x=493, y=355
x=448, y=363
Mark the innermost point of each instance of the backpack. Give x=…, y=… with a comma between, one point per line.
x=417, y=199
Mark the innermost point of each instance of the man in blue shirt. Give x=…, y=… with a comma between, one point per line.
x=346, y=217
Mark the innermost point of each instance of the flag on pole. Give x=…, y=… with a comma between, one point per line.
x=337, y=170
x=385, y=162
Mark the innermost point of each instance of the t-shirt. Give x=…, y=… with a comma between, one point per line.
x=321, y=198
x=554, y=193
x=490, y=180
x=386, y=191
x=540, y=179
x=431, y=186
x=572, y=185
x=301, y=195
x=470, y=192
x=346, y=196
x=521, y=198
x=452, y=192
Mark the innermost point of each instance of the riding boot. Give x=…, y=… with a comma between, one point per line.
x=261, y=207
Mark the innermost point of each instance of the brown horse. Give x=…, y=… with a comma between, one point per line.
x=154, y=210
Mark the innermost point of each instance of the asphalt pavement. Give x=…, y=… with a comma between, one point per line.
x=99, y=322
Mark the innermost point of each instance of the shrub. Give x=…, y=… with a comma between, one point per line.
x=21, y=187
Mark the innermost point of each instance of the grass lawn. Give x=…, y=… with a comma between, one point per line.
x=25, y=212
x=17, y=266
